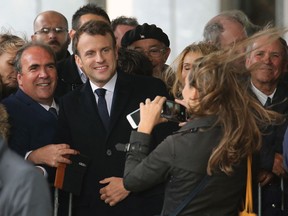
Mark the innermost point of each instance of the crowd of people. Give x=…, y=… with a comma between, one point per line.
x=56, y=105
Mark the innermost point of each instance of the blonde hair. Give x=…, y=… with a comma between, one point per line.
x=224, y=91
x=9, y=42
x=175, y=70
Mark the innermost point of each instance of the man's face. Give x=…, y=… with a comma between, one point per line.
x=51, y=29
x=268, y=61
x=7, y=72
x=154, y=50
x=119, y=32
x=38, y=78
x=97, y=57
x=233, y=32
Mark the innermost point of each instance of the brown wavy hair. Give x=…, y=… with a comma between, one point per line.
x=224, y=91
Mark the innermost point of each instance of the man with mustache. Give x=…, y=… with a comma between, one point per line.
x=267, y=61
x=51, y=28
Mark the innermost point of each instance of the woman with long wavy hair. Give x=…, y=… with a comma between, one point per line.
x=224, y=128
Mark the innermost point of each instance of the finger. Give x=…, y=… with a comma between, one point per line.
x=103, y=196
x=112, y=203
x=147, y=101
x=264, y=182
x=105, y=181
x=68, y=152
x=162, y=100
x=62, y=146
x=157, y=99
x=181, y=124
x=64, y=160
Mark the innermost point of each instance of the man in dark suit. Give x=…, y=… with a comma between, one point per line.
x=70, y=75
x=33, y=127
x=267, y=61
x=82, y=125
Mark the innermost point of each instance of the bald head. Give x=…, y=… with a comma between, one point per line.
x=224, y=31
x=52, y=16
x=51, y=28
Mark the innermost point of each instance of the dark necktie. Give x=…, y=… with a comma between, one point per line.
x=54, y=112
x=102, y=106
x=268, y=102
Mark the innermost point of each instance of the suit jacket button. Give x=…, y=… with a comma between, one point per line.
x=109, y=152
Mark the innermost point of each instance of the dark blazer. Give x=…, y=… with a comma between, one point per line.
x=272, y=141
x=32, y=126
x=68, y=76
x=81, y=127
x=181, y=161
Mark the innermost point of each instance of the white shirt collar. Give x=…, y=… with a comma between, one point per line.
x=109, y=86
x=260, y=95
x=54, y=105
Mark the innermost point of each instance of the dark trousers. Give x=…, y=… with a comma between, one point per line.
x=273, y=198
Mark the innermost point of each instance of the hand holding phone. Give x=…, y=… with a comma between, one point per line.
x=171, y=111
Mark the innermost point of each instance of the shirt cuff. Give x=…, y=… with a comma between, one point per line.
x=44, y=171
x=27, y=155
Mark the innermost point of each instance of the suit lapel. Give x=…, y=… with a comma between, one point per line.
x=280, y=98
x=121, y=97
x=33, y=105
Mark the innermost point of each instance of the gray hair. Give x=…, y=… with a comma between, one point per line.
x=18, y=57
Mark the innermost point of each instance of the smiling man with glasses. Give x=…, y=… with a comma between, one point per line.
x=153, y=42
x=51, y=28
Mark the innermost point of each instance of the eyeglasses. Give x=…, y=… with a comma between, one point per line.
x=57, y=30
x=153, y=52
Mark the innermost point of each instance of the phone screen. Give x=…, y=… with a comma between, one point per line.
x=174, y=112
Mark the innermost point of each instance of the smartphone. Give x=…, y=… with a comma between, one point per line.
x=134, y=118
x=171, y=111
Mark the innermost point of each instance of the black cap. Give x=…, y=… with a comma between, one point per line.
x=144, y=31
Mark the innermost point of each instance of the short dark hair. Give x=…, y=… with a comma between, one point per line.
x=88, y=9
x=123, y=20
x=17, y=61
x=92, y=27
x=134, y=62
